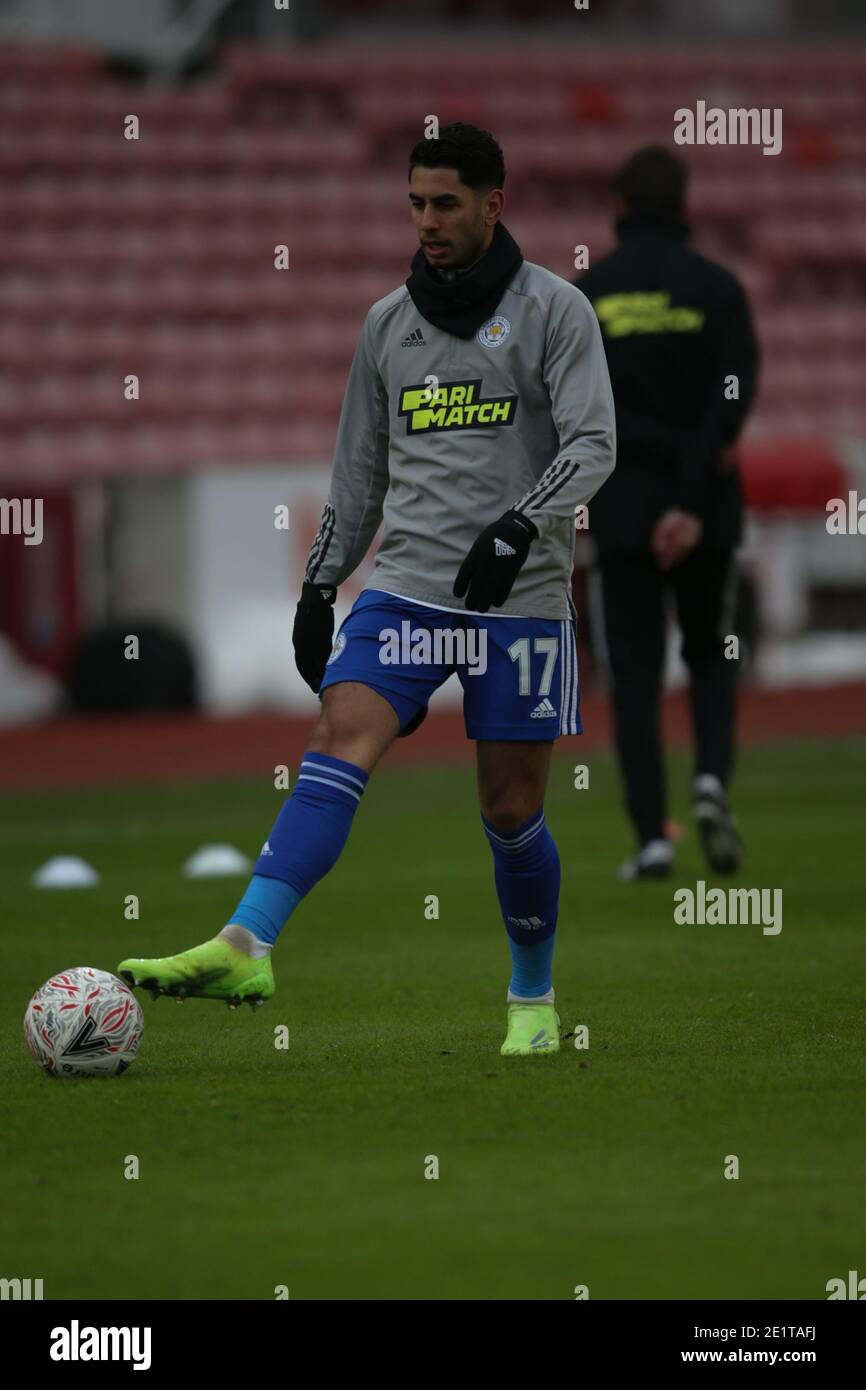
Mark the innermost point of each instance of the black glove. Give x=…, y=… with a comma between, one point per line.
x=495, y=561
x=313, y=633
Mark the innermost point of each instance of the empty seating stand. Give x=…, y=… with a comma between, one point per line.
x=155, y=256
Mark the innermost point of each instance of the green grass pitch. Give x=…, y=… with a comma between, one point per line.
x=306, y=1168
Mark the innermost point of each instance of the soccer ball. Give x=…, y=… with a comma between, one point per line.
x=83, y=1022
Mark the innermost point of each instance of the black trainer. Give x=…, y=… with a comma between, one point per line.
x=717, y=825
x=655, y=859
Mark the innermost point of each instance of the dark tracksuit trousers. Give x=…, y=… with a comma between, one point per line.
x=634, y=595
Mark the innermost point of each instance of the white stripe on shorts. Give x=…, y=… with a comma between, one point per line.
x=569, y=688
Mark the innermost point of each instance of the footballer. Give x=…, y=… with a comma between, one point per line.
x=477, y=416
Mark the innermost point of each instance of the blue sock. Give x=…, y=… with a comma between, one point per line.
x=526, y=869
x=306, y=841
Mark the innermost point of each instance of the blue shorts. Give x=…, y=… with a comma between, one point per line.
x=519, y=675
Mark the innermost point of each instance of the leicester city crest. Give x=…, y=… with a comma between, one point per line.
x=337, y=648
x=494, y=332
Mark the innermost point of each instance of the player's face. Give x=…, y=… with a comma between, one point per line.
x=454, y=224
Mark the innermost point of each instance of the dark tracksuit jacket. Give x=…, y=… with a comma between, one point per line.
x=675, y=325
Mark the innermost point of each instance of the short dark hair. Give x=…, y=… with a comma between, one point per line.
x=652, y=180
x=472, y=152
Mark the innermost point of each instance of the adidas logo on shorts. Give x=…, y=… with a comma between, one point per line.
x=503, y=548
x=544, y=710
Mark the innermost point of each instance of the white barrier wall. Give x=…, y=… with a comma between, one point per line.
x=245, y=578
x=202, y=553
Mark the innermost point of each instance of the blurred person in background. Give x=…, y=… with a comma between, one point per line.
x=683, y=361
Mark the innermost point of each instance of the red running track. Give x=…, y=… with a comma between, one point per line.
x=92, y=751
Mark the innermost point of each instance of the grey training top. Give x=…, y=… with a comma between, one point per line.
x=440, y=435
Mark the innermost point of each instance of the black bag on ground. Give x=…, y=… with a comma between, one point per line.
x=104, y=676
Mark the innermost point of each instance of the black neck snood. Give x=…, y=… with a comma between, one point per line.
x=461, y=305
